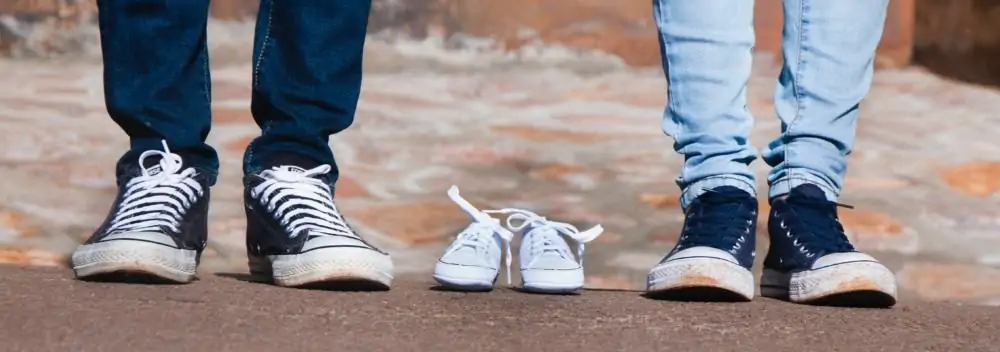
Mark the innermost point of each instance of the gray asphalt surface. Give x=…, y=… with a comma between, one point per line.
x=45, y=309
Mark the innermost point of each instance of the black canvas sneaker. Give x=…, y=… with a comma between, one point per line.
x=157, y=226
x=812, y=261
x=296, y=236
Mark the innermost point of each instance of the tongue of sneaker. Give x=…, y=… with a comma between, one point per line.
x=808, y=191
x=546, y=241
x=152, y=165
x=292, y=169
x=289, y=162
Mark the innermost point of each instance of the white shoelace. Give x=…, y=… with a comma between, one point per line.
x=479, y=234
x=542, y=229
x=158, y=197
x=305, y=201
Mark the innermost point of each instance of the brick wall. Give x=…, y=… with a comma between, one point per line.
x=959, y=39
x=946, y=30
x=622, y=27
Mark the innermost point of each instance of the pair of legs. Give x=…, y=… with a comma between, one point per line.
x=306, y=77
x=828, y=54
x=306, y=73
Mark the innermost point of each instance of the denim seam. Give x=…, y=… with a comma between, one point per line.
x=207, y=84
x=213, y=174
x=797, y=79
x=206, y=66
x=721, y=177
x=726, y=177
x=671, y=103
x=263, y=44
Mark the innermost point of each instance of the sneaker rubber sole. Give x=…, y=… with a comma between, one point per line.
x=548, y=281
x=852, y=284
x=465, y=277
x=134, y=259
x=328, y=267
x=700, y=279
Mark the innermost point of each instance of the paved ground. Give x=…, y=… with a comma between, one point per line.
x=573, y=137
x=220, y=313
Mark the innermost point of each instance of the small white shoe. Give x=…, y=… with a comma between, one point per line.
x=472, y=261
x=547, y=263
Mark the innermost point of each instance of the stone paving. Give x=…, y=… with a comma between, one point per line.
x=578, y=145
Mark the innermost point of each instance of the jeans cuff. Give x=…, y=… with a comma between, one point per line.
x=785, y=185
x=698, y=188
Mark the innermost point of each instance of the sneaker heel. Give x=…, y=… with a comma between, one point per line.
x=260, y=268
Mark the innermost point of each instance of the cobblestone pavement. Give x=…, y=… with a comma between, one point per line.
x=576, y=145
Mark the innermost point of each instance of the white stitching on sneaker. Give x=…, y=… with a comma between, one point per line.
x=480, y=233
x=306, y=205
x=158, y=197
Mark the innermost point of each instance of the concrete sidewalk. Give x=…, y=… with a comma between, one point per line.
x=46, y=310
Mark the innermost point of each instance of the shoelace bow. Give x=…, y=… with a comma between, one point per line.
x=160, y=199
x=480, y=233
x=301, y=201
x=818, y=216
x=519, y=219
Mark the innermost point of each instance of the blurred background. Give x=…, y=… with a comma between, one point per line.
x=550, y=105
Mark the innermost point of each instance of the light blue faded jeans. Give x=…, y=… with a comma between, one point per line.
x=828, y=51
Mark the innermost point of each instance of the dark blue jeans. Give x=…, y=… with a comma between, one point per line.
x=306, y=78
